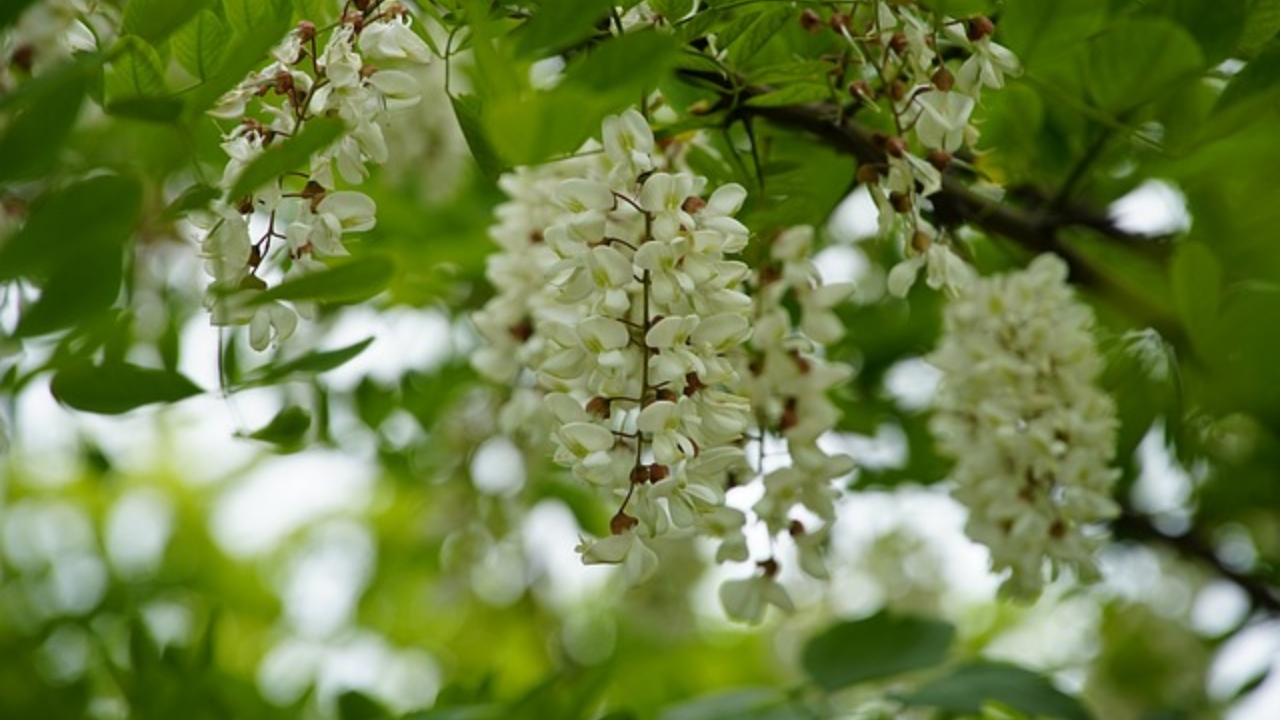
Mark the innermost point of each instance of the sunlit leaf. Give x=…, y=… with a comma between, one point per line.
x=155, y=20
x=198, y=45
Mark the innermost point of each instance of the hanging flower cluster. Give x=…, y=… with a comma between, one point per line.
x=898, y=63
x=308, y=79
x=1020, y=411
x=789, y=384
x=50, y=32
x=618, y=295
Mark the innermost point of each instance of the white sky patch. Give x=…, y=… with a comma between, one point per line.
x=1219, y=607
x=137, y=531
x=404, y=339
x=550, y=534
x=855, y=218
x=840, y=263
x=1243, y=657
x=497, y=468
x=1163, y=486
x=283, y=494
x=1153, y=208
x=324, y=579
x=912, y=382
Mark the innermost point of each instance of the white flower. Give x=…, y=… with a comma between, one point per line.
x=664, y=422
x=1019, y=409
x=988, y=65
x=639, y=562
x=944, y=269
x=392, y=39
x=747, y=599
x=943, y=119
x=271, y=322
x=663, y=196
x=628, y=143
x=398, y=89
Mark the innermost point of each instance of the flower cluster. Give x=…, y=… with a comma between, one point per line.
x=898, y=56
x=789, y=384
x=308, y=79
x=620, y=296
x=1032, y=434
x=50, y=32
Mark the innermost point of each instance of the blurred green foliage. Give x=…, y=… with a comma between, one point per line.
x=103, y=155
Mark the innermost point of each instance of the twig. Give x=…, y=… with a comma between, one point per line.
x=1262, y=595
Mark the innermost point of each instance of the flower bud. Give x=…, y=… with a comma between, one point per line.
x=898, y=43
x=811, y=21
x=621, y=523
x=939, y=159
x=943, y=79
x=979, y=27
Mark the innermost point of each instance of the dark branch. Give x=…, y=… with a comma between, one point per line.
x=1035, y=229
x=1134, y=526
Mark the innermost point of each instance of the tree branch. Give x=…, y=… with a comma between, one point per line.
x=1135, y=526
x=1035, y=229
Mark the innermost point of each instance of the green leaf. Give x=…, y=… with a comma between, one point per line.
x=880, y=646
x=745, y=704
x=470, y=113
x=1260, y=26
x=289, y=155
x=11, y=10
x=80, y=286
x=961, y=8
x=115, y=388
x=57, y=230
x=530, y=128
x=792, y=95
x=1196, y=281
x=287, y=429
x=155, y=20
x=1136, y=61
x=198, y=45
x=312, y=363
x=244, y=52
x=968, y=687
x=1046, y=34
x=354, y=705
x=195, y=197
x=135, y=72
x=33, y=139
x=672, y=9
x=348, y=282
x=1260, y=77
x=559, y=24
x=1216, y=26
x=246, y=15
x=757, y=31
